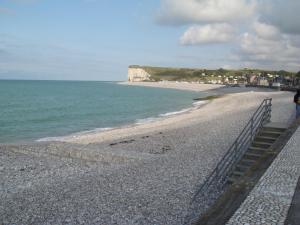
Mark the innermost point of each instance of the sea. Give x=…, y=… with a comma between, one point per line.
x=49, y=110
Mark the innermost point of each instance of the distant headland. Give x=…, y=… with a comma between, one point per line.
x=138, y=73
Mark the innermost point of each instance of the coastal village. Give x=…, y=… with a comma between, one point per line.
x=273, y=79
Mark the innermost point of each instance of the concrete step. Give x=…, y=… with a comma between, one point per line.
x=247, y=162
x=277, y=125
x=258, y=148
x=253, y=156
x=277, y=129
x=233, y=178
x=257, y=151
x=265, y=139
x=261, y=144
x=242, y=168
x=274, y=134
x=237, y=173
x=230, y=180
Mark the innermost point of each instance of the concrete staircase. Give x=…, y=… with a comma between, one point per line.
x=261, y=144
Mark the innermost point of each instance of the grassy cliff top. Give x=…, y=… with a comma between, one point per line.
x=190, y=74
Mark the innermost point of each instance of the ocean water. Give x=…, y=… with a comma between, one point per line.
x=33, y=110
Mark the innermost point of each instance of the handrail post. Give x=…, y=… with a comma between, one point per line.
x=218, y=170
x=236, y=155
x=266, y=112
x=252, y=128
x=269, y=110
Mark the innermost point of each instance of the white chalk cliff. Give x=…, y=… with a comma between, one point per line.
x=137, y=75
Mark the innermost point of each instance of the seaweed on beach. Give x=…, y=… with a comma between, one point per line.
x=211, y=97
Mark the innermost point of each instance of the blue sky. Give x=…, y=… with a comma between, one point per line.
x=98, y=39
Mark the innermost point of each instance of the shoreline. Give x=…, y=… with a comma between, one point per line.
x=140, y=126
x=138, y=122
x=213, y=91
x=198, y=103
x=188, y=106
x=152, y=124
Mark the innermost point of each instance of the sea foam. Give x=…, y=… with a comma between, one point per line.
x=195, y=105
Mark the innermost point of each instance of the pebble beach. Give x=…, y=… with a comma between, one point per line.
x=139, y=174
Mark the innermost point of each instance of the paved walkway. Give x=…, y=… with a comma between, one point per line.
x=293, y=217
x=270, y=200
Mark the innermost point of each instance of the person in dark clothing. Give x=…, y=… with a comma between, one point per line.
x=297, y=102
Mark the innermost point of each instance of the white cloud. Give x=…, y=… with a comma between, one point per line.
x=269, y=47
x=283, y=14
x=266, y=31
x=176, y=12
x=210, y=33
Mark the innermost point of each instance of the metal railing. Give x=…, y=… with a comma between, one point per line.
x=220, y=174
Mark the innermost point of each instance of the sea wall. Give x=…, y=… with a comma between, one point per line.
x=137, y=75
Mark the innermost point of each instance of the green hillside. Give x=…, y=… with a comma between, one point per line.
x=188, y=74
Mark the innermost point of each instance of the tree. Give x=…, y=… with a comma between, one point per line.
x=283, y=73
x=221, y=71
x=298, y=75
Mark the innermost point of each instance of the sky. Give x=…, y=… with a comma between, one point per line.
x=99, y=39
